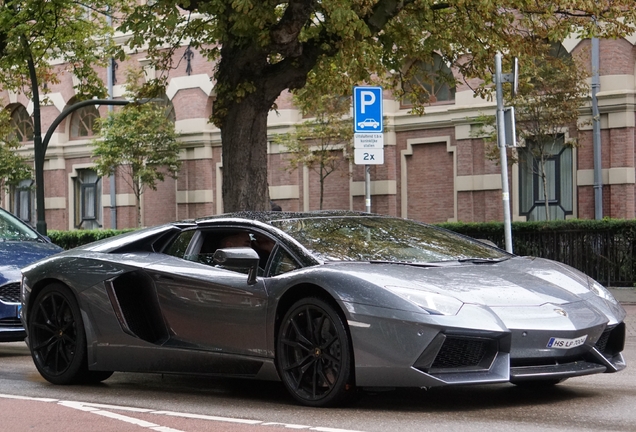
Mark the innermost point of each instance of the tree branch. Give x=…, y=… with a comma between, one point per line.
x=284, y=35
x=385, y=10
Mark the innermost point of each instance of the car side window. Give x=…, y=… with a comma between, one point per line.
x=282, y=262
x=207, y=243
x=179, y=247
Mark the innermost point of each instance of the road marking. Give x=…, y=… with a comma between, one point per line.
x=207, y=417
x=7, y=396
x=93, y=410
x=101, y=409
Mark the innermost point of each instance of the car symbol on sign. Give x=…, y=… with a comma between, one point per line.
x=368, y=123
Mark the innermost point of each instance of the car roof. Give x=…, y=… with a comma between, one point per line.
x=270, y=216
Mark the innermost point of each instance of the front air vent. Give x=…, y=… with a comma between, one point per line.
x=461, y=352
x=612, y=341
x=10, y=293
x=457, y=353
x=601, y=343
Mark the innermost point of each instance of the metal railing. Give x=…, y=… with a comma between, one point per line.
x=605, y=254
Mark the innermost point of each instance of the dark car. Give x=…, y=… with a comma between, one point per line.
x=326, y=302
x=19, y=245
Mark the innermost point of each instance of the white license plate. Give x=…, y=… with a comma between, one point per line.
x=561, y=343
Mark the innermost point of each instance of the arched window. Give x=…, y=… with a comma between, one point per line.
x=83, y=122
x=557, y=50
x=22, y=124
x=170, y=113
x=429, y=82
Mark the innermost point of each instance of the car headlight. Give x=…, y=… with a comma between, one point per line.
x=601, y=291
x=433, y=303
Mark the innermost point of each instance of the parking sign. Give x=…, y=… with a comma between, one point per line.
x=367, y=110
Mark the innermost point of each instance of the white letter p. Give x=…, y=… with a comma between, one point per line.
x=367, y=98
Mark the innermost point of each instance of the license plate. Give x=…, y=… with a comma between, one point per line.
x=561, y=343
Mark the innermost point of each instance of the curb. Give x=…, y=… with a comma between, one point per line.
x=624, y=295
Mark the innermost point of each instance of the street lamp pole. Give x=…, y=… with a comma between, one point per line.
x=40, y=146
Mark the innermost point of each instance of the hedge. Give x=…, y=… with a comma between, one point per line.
x=71, y=239
x=603, y=249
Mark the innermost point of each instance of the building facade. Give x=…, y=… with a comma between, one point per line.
x=435, y=169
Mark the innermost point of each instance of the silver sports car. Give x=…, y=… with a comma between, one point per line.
x=326, y=302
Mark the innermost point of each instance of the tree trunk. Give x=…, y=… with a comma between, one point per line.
x=138, y=190
x=248, y=84
x=139, y=212
x=546, y=195
x=322, y=182
x=244, y=145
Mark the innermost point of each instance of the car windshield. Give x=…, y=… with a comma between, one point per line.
x=367, y=238
x=13, y=229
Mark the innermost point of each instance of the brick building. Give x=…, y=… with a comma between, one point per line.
x=434, y=169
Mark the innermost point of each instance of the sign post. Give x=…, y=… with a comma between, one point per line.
x=368, y=128
x=505, y=137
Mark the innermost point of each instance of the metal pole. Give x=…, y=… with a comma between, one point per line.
x=40, y=153
x=367, y=187
x=596, y=130
x=113, y=190
x=501, y=142
x=39, y=149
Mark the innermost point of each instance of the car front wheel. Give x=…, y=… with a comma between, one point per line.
x=313, y=354
x=57, y=339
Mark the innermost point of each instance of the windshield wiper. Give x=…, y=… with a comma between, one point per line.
x=482, y=260
x=417, y=264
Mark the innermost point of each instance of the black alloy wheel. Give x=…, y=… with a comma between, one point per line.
x=313, y=354
x=57, y=339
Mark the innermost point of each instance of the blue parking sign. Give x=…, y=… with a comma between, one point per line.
x=367, y=110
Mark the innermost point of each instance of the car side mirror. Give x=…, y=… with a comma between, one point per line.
x=239, y=258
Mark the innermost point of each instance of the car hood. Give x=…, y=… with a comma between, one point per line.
x=20, y=254
x=519, y=281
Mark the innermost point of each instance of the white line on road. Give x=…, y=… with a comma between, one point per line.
x=100, y=409
x=86, y=407
x=207, y=417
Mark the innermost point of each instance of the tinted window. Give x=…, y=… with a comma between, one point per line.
x=11, y=228
x=383, y=239
x=180, y=245
x=282, y=262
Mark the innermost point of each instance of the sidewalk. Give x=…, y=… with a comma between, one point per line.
x=624, y=295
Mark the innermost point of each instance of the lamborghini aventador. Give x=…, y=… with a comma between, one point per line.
x=326, y=302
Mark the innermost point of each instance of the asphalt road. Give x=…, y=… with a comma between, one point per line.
x=138, y=402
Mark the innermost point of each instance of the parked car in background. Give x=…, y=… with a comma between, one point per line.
x=19, y=245
x=326, y=302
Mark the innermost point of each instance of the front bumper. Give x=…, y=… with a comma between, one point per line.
x=397, y=351
x=12, y=334
x=11, y=329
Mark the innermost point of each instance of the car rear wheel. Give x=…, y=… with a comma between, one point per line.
x=57, y=339
x=313, y=354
